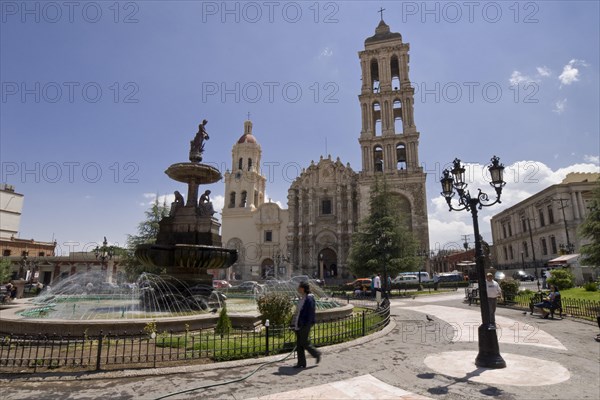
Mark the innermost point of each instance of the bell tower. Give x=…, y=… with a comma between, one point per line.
x=389, y=140
x=244, y=185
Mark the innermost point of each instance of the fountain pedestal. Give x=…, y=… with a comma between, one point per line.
x=188, y=241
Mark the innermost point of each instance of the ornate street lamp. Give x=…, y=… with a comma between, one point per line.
x=26, y=265
x=279, y=258
x=104, y=254
x=489, y=352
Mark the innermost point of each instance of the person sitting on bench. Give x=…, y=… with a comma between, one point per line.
x=551, y=302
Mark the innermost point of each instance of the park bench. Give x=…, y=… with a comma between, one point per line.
x=555, y=305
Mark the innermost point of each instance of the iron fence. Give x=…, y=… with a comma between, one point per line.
x=153, y=348
x=588, y=309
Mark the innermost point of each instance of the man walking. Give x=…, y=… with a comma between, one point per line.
x=304, y=319
x=493, y=292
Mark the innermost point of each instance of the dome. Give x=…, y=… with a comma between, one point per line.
x=382, y=33
x=247, y=137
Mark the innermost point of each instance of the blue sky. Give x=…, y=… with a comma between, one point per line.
x=97, y=100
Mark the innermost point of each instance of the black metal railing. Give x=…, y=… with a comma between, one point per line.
x=580, y=308
x=153, y=349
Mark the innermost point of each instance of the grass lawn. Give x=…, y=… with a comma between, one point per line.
x=580, y=293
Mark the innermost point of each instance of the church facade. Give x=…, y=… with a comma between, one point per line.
x=329, y=199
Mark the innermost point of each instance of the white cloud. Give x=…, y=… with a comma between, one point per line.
x=523, y=179
x=326, y=52
x=591, y=159
x=543, y=71
x=516, y=78
x=559, y=106
x=570, y=74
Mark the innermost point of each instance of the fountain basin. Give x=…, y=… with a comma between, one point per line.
x=186, y=256
x=13, y=323
x=188, y=172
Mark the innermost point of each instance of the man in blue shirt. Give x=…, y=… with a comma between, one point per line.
x=304, y=319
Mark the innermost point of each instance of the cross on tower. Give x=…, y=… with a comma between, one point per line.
x=381, y=10
x=248, y=115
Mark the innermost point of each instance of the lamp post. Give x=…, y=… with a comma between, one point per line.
x=537, y=277
x=104, y=254
x=489, y=352
x=321, y=267
x=279, y=258
x=26, y=265
x=385, y=243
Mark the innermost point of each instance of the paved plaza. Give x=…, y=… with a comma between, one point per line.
x=413, y=358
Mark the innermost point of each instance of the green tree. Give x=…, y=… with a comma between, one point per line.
x=561, y=278
x=590, y=229
x=382, y=239
x=5, y=271
x=147, y=233
x=223, y=323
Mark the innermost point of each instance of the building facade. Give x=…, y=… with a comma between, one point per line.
x=255, y=228
x=329, y=199
x=11, y=206
x=543, y=226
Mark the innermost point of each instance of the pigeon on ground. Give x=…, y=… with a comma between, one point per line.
x=214, y=310
x=428, y=318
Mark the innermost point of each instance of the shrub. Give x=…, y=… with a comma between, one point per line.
x=591, y=287
x=561, y=278
x=509, y=288
x=275, y=307
x=223, y=324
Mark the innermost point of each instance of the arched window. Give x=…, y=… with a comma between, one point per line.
x=377, y=128
x=401, y=156
x=231, y=199
x=398, y=116
x=375, y=76
x=240, y=163
x=395, y=70
x=249, y=164
x=256, y=199
x=243, y=199
x=378, y=158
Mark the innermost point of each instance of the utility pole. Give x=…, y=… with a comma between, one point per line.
x=569, y=247
x=465, y=239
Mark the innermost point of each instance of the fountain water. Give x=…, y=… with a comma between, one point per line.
x=86, y=296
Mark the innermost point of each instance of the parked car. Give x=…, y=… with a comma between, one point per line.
x=363, y=284
x=305, y=278
x=523, y=276
x=249, y=286
x=499, y=275
x=448, y=277
x=406, y=279
x=221, y=284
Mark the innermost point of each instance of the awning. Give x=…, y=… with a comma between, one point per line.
x=563, y=259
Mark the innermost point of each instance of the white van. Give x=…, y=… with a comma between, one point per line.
x=424, y=275
x=406, y=279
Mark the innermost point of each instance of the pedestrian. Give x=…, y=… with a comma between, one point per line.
x=377, y=283
x=304, y=319
x=544, y=277
x=377, y=287
x=493, y=292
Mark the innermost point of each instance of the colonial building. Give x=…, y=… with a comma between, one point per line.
x=257, y=229
x=11, y=206
x=329, y=199
x=544, y=225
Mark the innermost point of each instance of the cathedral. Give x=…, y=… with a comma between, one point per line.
x=329, y=199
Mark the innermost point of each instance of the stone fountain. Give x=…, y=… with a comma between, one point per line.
x=188, y=241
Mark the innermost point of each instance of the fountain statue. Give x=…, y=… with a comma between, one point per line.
x=188, y=241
